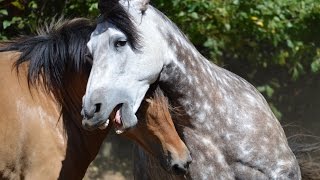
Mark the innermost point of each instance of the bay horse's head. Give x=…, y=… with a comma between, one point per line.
x=123, y=68
x=156, y=133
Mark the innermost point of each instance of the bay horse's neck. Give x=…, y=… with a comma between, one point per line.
x=82, y=146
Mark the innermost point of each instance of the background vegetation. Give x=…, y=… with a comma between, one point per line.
x=271, y=43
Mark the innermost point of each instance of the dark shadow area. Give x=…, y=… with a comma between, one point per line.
x=114, y=161
x=299, y=103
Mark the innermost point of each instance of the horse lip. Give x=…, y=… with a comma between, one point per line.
x=93, y=123
x=104, y=125
x=118, y=124
x=99, y=121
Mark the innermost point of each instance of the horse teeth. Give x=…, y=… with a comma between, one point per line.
x=104, y=125
x=119, y=131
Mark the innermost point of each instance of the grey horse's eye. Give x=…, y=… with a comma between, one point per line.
x=120, y=43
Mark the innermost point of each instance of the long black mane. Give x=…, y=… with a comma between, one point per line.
x=113, y=12
x=55, y=53
x=56, y=48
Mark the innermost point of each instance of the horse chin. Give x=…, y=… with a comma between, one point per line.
x=128, y=117
x=93, y=124
x=104, y=125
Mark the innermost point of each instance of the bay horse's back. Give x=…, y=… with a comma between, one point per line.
x=30, y=134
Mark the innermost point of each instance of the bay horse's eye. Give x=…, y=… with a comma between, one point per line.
x=120, y=43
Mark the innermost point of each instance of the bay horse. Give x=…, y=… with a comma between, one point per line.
x=37, y=145
x=40, y=122
x=225, y=122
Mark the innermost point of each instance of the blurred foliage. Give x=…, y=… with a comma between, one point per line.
x=267, y=42
x=262, y=32
x=20, y=17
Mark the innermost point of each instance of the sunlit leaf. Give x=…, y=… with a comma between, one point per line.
x=3, y=12
x=6, y=24
x=315, y=66
x=18, y=5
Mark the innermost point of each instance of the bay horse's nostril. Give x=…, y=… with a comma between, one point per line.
x=179, y=169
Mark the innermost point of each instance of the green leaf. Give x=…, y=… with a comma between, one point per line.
x=6, y=24
x=315, y=66
x=21, y=25
x=18, y=5
x=227, y=26
x=194, y=15
x=93, y=7
x=295, y=73
x=275, y=111
x=289, y=43
x=33, y=5
x=4, y=12
x=269, y=91
x=261, y=88
x=16, y=19
x=209, y=43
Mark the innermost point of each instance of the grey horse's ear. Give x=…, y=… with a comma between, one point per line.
x=141, y=4
x=144, y=5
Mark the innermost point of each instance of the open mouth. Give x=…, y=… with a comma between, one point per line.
x=116, y=119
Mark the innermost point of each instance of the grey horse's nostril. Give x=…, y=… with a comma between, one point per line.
x=178, y=169
x=88, y=114
x=97, y=108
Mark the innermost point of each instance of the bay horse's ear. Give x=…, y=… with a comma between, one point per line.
x=149, y=101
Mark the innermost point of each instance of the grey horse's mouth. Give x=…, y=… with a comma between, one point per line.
x=117, y=119
x=101, y=125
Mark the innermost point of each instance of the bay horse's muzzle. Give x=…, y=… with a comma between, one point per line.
x=181, y=167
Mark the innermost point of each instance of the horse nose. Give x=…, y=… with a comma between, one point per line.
x=89, y=109
x=180, y=168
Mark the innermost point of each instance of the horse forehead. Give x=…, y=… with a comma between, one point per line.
x=100, y=38
x=104, y=28
x=101, y=27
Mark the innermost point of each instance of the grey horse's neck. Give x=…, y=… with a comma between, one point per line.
x=196, y=85
x=230, y=127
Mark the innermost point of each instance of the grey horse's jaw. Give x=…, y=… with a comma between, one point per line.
x=128, y=120
x=128, y=116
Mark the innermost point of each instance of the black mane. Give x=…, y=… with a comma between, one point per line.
x=57, y=57
x=113, y=12
x=55, y=49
